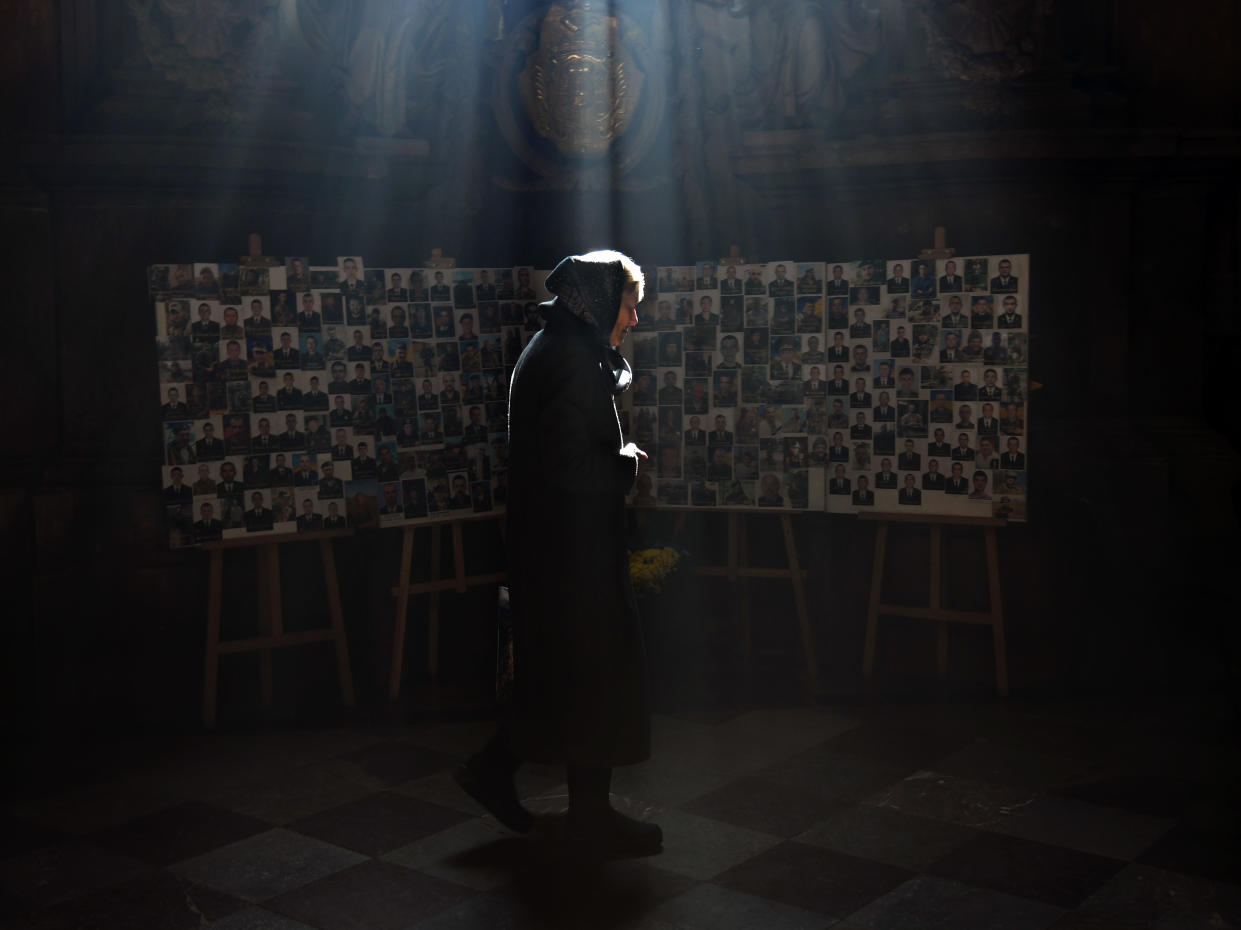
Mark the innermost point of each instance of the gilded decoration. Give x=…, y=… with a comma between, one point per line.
x=574, y=84
x=579, y=88
x=198, y=44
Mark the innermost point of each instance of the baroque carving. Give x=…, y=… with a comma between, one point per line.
x=984, y=41
x=573, y=84
x=396, y=63
x=785, y=64
x=580, y=86
x=212, y=47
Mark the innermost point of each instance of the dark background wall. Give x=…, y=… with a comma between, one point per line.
x=1104, y=141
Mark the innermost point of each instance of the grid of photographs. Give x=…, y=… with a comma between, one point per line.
x=298, y=397
x=302, y=397
x=842, y=386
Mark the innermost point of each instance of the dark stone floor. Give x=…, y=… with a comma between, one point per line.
x=952, y=813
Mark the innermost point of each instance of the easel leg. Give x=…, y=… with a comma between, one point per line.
x=997, y=613
x=876, y=595
x=433, y=615
x=211, y=671
x=338, y=622
x=269, y=613
x=937, y=575
x=739, y=557
x=433, y=627
x=402, y=609
x=458, y=557
x=799, y=599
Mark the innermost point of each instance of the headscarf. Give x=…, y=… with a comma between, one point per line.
x=591, y=291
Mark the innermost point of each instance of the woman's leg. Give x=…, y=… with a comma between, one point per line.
x=487, y=777
x=593, y=820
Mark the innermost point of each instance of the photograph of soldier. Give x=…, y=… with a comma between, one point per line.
x=987, y=457
x=397, y=328
x=183, y=279
x=837, y=283
x=331, y=308
x=231, y=329
x=317, y=437
x=1016, y=383
x=314, y=397
x=259, y=517
x=256, y=472
x=885, y=478
x=283, y=313
x=463, y=288
x=924, y=344
x=262, y=364
x=179, y=447
x=884, y=411
x=305, y=470
x=809, y=278
x=837, y=314
x=911, y=420
x=923, y=284
x=208, y=526
x=254, y=280
x=982, y=314
x=390, y=501
x=1012, y=418
x=898, y=283
x=809, y=315
x=979, y=482
x=420, y=324
x=414, y=493
x=779, y=284
x=995, y=353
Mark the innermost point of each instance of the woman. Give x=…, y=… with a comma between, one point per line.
x=579, y=688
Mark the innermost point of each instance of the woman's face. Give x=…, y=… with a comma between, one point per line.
x=626, y=317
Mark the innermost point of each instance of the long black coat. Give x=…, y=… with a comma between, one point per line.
x=579, y=686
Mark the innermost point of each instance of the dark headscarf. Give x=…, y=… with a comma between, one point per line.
x=591, y=291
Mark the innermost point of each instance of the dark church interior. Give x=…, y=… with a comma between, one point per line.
x=1095, y=789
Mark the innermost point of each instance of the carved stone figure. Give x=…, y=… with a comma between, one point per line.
x=781, y=64
x=198, y=45
x=984, y=41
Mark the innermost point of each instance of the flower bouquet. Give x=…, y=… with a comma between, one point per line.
x=651, y=568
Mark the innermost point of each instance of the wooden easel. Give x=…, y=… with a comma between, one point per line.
x=433, y=586
x=271, y=622
x=738, y=570
x=935, y=610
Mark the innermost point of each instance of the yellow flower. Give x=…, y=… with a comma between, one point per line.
x=650, y=568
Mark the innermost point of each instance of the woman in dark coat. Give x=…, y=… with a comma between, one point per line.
x=579, y=686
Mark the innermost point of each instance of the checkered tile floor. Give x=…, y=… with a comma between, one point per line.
x=956, y=816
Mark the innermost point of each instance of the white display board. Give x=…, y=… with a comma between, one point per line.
x=300, y=397
x=892, y=385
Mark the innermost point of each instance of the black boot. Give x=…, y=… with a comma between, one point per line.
x=487, y=777
x=598, y=826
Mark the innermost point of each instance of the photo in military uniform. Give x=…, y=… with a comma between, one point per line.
x=311, y=379
x=432, y=360
x=850, y=359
